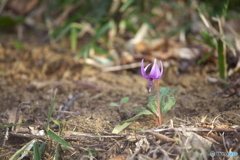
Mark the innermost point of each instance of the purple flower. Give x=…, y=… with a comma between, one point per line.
x=155, y=73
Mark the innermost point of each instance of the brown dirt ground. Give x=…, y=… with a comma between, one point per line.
x=31, y=75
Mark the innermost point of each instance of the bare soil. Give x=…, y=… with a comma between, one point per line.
x=29, y=78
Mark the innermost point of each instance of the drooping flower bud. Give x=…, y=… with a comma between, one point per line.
x=155, y=73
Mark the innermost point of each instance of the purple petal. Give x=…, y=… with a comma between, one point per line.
x=161, y=68
x=142, y=69
x=145, y=69
x=160, y=71
x=155, y=72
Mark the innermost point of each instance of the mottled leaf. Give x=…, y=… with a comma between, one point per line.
x=167, y=100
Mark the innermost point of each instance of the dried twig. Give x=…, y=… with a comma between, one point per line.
x=68, y=135
x=30, y=136
x=162, y=137
x=5, y=154
x=66, y=105
x=121, y=67
x=190, y=129
x=180, y=129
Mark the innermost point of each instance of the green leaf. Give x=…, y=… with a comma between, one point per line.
x=56, y=153
x=10, y=125
x=208, y=39
x=58, y=139
x=84, y=51
x=36, y=151
x=124, y=100
x=224, y=8
x=129, y=25
x=216, y=8
x=126, y=123
x=100, y=32
x=126, y=5
x=152, y=103
x=7, y=21
x=230, y=46
x=1, y=73
x=42, y=148
x=50, y=111
x=138, y=129
x=205, y=57
x=205, y=43
x=167, y=98
x=18, y=45
x=143, y=112
x=222, y=69
x=139, y=109
x=118, y=128
x=56, y=122
x=114, y=104
x=73, y=38
x=63, y=32
x=27, y=147
x=99, y=50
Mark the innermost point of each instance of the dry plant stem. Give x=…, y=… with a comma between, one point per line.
x=158, y=103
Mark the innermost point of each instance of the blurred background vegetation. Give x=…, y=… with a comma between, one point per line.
x=105, y=29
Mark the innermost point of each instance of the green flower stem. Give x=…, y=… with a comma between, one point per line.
x=158, y=103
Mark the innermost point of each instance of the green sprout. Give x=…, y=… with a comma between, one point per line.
x=122, y=102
